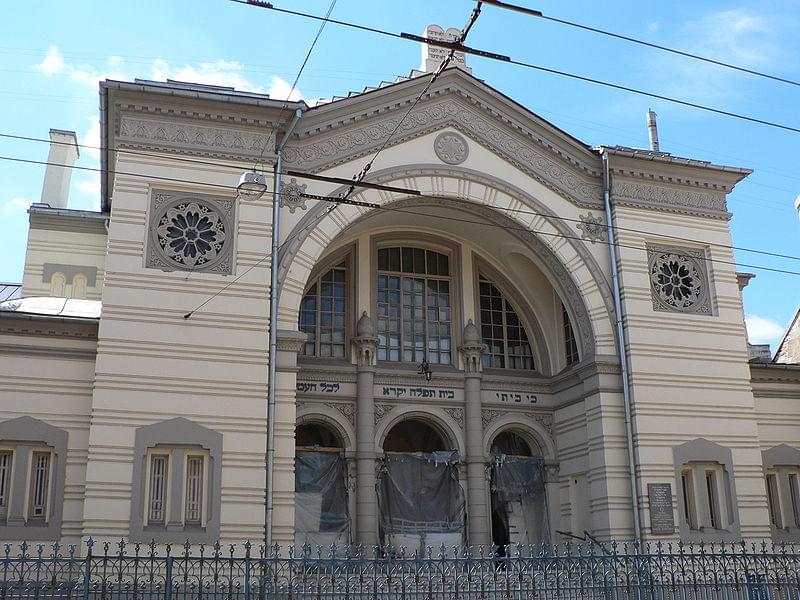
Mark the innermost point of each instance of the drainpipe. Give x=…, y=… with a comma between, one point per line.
x=613, y=254
x=274, y=293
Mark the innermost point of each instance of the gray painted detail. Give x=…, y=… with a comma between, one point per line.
x=701, y=450
x=178, y=435
x=24, y=435
x=69, y=271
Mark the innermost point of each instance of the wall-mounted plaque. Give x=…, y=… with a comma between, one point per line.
x=662, y=518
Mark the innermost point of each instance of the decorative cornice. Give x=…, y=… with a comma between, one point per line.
x=471, y=117
x=681, y=200
x=290, y=341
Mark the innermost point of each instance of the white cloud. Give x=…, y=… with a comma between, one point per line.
x=738, y=36
x=16, y=204
x=89, y=186
x=221, y=72
x=279, y=90
x=52, y=63
x=90, y=142
x=763, y=330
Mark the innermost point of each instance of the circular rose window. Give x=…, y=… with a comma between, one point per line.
x=191, y=234
x=677, y=280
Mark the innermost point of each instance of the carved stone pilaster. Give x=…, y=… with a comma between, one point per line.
x=365, y=342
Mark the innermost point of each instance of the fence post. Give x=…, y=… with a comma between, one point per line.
x=247, y=570
x=168, y=579
x=87, y=572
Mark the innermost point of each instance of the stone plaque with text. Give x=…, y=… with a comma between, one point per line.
x=662, y=519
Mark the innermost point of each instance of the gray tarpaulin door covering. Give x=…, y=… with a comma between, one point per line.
x=519, y=501
x=320, y=499
x=421, y=501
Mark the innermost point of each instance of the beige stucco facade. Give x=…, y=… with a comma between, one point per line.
x=181, y=348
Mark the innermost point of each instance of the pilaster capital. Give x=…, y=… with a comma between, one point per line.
x=287, y=340
x=365, y=342
x=472, y=349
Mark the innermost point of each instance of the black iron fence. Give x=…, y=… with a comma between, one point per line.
x=572, y=571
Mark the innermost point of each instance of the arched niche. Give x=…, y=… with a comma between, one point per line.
x=531, y=431
x=331, y=419
x=583, y=286
x=436, y=418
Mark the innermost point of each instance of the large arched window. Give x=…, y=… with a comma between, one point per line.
x=502, y=331
x=322, y=313
x=414, y=317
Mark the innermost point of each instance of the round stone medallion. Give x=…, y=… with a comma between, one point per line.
x=451, y=148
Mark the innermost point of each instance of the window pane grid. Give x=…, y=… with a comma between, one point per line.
x=194, y=489
x=5, y=482
x=158, y=489
x=571, y=346
x=322, y=314
x=502, y=331
x=39, y=480
x=414, y=316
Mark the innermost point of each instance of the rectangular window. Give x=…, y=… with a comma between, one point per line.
x=156, y=513
x=194, y=490
x=5, y=482
x=40, y=479
x=688, y=499
x=571, y=346
x=773, y=499
x=794, y=494
x=713, y=499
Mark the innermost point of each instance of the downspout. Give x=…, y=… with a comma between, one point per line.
x=613, y=254
x=274, y=293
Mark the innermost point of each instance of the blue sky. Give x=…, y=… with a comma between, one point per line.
x=52, y=57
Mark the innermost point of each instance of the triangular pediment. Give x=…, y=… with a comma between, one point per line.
x=357, y=126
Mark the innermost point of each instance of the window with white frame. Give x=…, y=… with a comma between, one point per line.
x=414, y=306
x=703, y=494
x=502, y=331
x=783, y=496
x=6, y=456
x=176, y=488
x=323, y=314
x=40, y=485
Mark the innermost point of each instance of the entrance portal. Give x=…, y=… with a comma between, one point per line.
x=419, y=494
x=321, y=515
x=519, y=501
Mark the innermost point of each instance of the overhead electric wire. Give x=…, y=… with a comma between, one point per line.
x=713, y=61
x=518, y=63
x=346, y=200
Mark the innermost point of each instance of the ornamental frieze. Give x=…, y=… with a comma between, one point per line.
x=671, y=199
x=193, y=138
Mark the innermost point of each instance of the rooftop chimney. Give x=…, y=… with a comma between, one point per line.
x=63, y=154
x=652, y=130
x=432, y=56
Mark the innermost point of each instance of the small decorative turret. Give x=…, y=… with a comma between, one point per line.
x=472, y=348
x=365, y=342
x=365, y=326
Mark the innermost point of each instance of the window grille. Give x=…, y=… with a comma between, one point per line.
x=687, y=487
x=713, y=499
x=794, y=495
x=39, y=484
x=5, y=482
x=322, y=314
x=773, y=499
x=194, y=490
x=414, y=313
x=158, y=489
x=502, y=331
x=570, y=345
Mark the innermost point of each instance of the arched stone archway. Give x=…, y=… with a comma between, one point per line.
x=562, y=256
x=441, y=422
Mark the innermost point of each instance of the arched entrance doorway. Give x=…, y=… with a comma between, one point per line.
x=321, y=515
x=519, y=500
x=419, y=495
